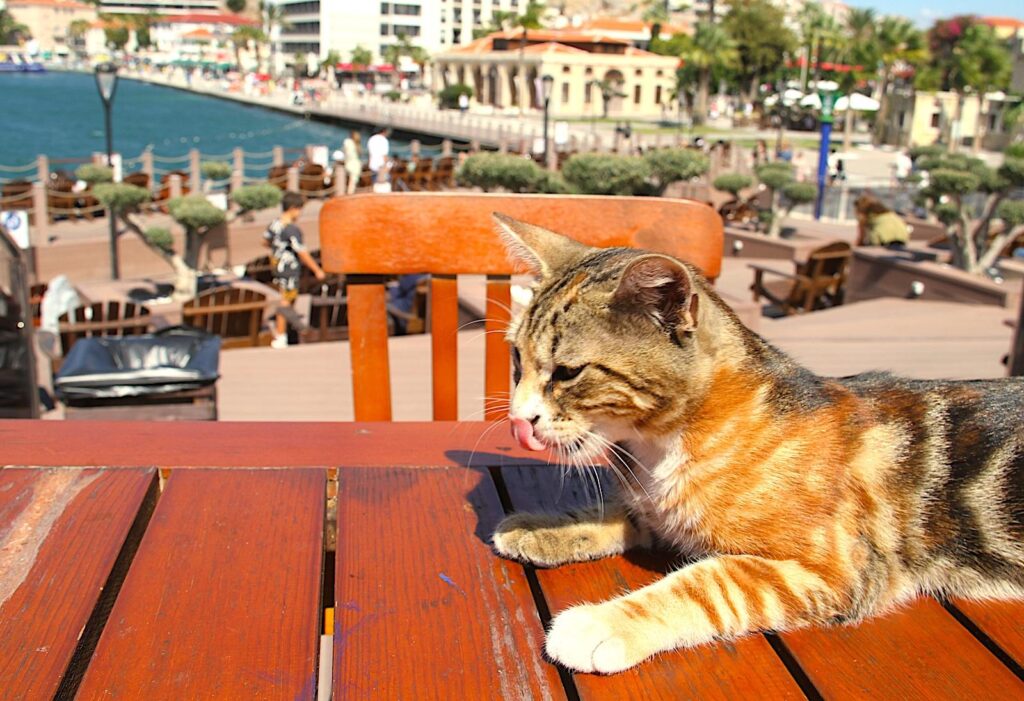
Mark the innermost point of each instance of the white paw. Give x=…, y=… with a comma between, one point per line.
x=593, y=638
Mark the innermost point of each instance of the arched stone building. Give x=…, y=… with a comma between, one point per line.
x=583, y=65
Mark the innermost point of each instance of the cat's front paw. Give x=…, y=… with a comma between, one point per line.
x=537, y=539
x=597, y=638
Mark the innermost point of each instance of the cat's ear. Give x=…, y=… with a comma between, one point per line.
x=540, y=250
x=662, y=288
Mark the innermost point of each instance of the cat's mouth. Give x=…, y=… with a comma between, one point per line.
x=522, y=431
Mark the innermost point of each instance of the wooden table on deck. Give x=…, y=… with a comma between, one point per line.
x=187, y=561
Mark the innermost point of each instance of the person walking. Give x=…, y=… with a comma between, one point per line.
x=287, y=256
x=353, y=164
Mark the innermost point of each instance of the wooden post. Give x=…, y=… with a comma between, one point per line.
x=278, y=155
x=339, y=179
x=446, y=147
x=41, y=217
x=293, y=179
x=194, y=172
x=147, y=165
x=414, y=149
x=237, y=168
x=43, y=169
x=174, y=181
x=1016, y=363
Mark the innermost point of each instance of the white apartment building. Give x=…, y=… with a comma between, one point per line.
x=318, y=26
x=160, y=7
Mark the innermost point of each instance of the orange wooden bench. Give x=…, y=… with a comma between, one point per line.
x=448, y=234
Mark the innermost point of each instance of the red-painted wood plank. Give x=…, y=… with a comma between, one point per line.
x=918, y=652
x=1002, y=621
x=222, y=600
x=747, y=668
x=423, y=608
x=257, y=444
x=60, y=534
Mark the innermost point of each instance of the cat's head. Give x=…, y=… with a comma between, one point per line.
x=613, y=341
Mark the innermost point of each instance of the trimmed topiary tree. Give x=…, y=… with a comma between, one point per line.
x=498, y=170
x=953, y=180
x=606, y=174
x=732, y=183
x=93, y=173
x=212, y=172
x=449, y=96
x=670, y=165
x=785, y=192
x=252, y=198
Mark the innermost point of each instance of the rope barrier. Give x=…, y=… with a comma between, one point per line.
x=16, y=169
x=217, y=156
x=258, y=154
x=169, y=159
x=15, y=199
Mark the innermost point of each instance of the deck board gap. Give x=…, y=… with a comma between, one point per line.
x=983, y=638
x=792, y=666
x=90, y=636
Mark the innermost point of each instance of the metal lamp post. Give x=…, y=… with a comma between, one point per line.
x=547, y=82
x=827, y=92
x=106, y=84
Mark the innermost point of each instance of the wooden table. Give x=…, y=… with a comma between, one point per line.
x=190, y=561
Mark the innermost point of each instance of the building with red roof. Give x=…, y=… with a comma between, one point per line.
x=586, y=65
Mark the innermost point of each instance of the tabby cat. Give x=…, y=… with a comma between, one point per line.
x=804, y=499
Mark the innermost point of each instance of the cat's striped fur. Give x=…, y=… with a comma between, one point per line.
x=808, y=500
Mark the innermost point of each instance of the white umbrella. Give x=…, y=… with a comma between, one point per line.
x=859, y=102
x=813, y=100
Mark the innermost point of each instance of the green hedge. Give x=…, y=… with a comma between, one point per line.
x=606, y=174
x=497, y=170
x=251, y=198
x=449, y=96
x=94, y=174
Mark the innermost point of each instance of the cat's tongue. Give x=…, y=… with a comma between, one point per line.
x=522, y=431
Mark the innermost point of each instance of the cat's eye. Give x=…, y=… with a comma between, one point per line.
x=563, y=373
x=517, y=366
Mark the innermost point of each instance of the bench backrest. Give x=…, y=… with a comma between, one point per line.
x=370, y=236
x=233, y=313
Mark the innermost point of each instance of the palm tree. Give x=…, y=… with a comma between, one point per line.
x=361, y=58
x=656, y=14
x=858, y=49
x=12, y=31
x=241, y=38
x=900, y=45
x=711, y=48
x=273, y=17
x=530, y=19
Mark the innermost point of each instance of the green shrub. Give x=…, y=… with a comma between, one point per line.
x=449, y=96
x=775, y=175
x=120, y=197
x=160, y=237
x=732, y=183
x=194, y=212
x=215, y=170
x=799, y=193
x=93, y=173
x=1012, y=169
x=1011, y=212
x=1014, y=150
x=946, y=181
x=606, y=174
x=931, y=150
x=669, y=165
x=490, y=170
x=551, y=183
x=252, y=198
x=393, y=95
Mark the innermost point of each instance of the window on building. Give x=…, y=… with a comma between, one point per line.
x=587, y=93
x=385, y=30
x=385, y=8
x=565, y=93
x=457, y=15
x=408, y=10
x=636, y=95
x=405, y=30
x=638, y=73
x=657, y=95
x=476, y=17
x=936, y=118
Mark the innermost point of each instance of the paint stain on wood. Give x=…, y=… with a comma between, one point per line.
x=49, y=495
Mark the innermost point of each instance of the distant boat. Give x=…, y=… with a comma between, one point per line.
x=16, y=63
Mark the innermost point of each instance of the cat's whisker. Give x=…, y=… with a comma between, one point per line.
x=622, y=453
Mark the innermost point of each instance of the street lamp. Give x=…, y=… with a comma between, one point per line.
x=547, y=82
x=106, y=84
x=827, y=92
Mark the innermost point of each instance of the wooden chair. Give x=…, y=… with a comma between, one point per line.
x=314, y=180
x=278, y=176
x=328, y=314
x=259, y=269
x=165, y=187
x=368, y=237
x=106, y=318
x=138, y=179
x=815, y=284
x=35, y=301
x=17, y=195
x=233, y=313
x=399, y=175
x=443, y=174
x=419, y=179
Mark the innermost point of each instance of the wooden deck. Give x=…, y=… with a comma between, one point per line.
x=216, y=583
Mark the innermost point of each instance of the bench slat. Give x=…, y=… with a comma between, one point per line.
x=742, y=669
x=424, y=610
x=60, y=534
x=1001, y=621
x=258, y=588
x=444, y=347
x=920, y=652
x=497, y=367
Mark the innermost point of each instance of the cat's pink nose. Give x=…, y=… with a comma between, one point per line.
x=522, y=431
